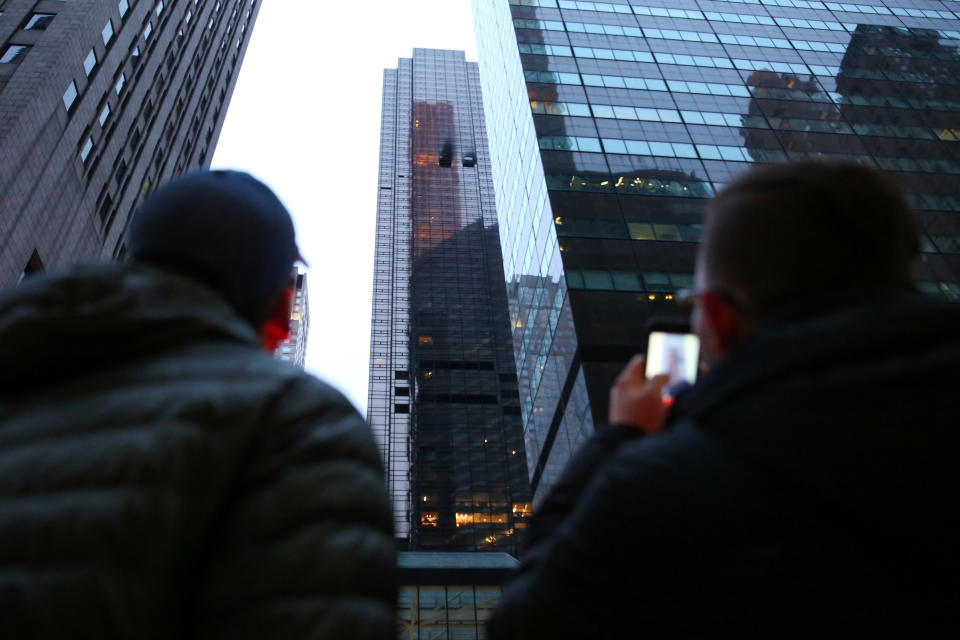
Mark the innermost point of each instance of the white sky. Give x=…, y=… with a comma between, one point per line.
x=305, y=119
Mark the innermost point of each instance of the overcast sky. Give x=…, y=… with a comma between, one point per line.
x=305, y=119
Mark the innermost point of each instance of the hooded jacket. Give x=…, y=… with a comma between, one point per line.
x=805, y=487
x=163, y=477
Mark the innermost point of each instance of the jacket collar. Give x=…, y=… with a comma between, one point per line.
x=71, y=323
x=815, y=337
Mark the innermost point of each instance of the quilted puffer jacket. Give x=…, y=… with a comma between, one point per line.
x=163, y=477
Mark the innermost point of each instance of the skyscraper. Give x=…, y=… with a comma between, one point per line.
x=294, y=348
x=100, y=101
x=613, y=122
x=443, y=405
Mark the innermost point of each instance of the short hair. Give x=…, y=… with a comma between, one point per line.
x=786, y=232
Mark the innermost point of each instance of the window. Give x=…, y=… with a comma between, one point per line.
x=121, y=82
x=70, y=95
x=86, y=149
x=597, y=279
x=14, y=53
x=34, y=265
x=160, y=7
x=90, y=62
x=107, y=33
x=105, y=208
x=124, y=6
x=147, y=31
x=38, y=21
x=104, y=114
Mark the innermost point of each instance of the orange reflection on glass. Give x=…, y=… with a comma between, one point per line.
x=436, y=209
x=424, y=159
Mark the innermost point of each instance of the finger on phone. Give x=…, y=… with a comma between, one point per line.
x=660, y=380
x=634, y=371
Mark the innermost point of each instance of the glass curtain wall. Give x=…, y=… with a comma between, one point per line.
x=444, y=402
x=643, y=109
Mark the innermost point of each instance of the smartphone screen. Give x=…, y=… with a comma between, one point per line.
x=677, y=354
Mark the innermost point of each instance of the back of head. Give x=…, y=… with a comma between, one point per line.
x=224, y=228
x=794, y=231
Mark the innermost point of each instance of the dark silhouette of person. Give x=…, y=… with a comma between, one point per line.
x=161, y=475
x=804, y=486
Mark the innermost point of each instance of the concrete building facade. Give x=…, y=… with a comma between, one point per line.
x=100, y=101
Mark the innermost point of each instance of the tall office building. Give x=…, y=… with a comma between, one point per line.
x=100, y=101
x=294, y=348
x=443, y=404
x=612, y=123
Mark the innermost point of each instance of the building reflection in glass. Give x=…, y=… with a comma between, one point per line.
x=893, y=102
x=613, y=122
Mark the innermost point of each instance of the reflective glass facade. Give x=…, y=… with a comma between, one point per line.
x=444, y=404
x=643, y=109
x=556, y=412
x=442, y=612
x=449, y=595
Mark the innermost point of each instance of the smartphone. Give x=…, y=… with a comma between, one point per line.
x=673, y=351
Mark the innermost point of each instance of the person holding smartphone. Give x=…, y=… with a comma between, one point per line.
x=804, y=485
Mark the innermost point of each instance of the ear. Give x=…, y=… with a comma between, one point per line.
x=727, y=324
x=277, y=327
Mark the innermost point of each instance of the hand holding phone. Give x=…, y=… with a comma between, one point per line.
x=675, y=353
x=636, y=401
